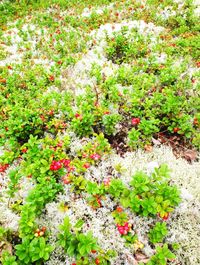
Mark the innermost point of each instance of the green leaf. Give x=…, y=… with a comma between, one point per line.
x=79, y=224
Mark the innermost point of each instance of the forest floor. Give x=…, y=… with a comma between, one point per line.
x=99, y=132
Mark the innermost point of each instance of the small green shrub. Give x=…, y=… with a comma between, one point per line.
x=158, y=232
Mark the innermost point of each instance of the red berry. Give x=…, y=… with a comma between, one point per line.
x=126, y=225
x=3, y=167
x=78, y=116
x=97, y=261
x=119, y=209
x=41, y=233
x=55, y=165
x=24, y=150
x=60, y=144
x=176, y=129
x=165, y=217
x=65, y=162
x=135, y=121
x=58, y=31
x=195, y=121
x=121, y=230
x=93, y=251
x=44, y=228
x=99, y=202
x=86, y=165
x=51, y=112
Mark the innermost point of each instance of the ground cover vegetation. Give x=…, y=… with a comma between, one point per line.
x=81, y=82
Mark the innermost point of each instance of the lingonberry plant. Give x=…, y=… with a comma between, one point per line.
x=82, y=85
x=80, y=246
x=153, y=195
x=162, y=256
x=158, y=232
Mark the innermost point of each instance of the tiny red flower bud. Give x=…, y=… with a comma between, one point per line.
x=51, y=78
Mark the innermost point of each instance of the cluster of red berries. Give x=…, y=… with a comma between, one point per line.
x=3, y=167
x=95, y=157
x=56, y=165
x=135, y=121
x=123, y=229
x=65, y=162
x=40, y=232
x=66, y=179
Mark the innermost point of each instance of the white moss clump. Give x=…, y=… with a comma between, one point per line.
x=183, y=223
